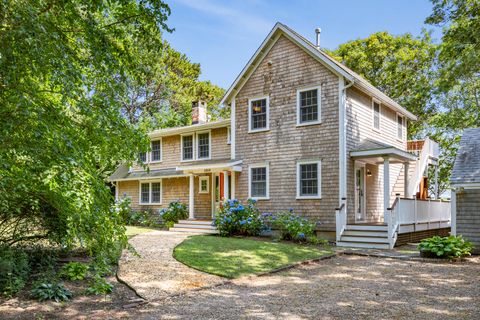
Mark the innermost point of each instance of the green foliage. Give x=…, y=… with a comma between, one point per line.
x=175, y=211
x=99, y=286
x=291, y=226
x=51, y=291
x=237, y=219
x=124, y=209
x=446, y=247
x=14, y=270
x=74, y=271
x=400, y=66
x=145, y=218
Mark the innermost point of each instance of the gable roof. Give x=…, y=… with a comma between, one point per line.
x=189, y=129
x=332, y=64
x=466, y=169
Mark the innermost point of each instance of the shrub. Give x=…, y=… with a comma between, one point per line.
x=237, y=219
x=51, y=291
x=446, y=247
x=176, y=211
x=14, y=270
x=124, y=209
x=99, y=286
x=74, y=271
x=291, y=226
x=144, y=218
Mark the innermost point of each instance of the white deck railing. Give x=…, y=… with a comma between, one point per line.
x=340, y=219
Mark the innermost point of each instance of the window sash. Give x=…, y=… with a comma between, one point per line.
x=309, y=179
x=142, y=157
x=156, y=154
x=308, y=106
x=258, y=114
x=203, y=145
x=145, y=193
x=258, y=182
x=376, y=115
x=187, y=147
x=400, y=127
x=156, y=192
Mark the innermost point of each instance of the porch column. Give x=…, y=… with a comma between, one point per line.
x=406, y=167
x=191, y=201
x=232, y=192
x=386, y=187
x=436, y=183
x=225, y=184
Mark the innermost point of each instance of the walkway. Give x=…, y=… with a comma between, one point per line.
x=155, y=274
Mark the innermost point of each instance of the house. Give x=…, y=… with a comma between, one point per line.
x=305, y=133
x=465, y=181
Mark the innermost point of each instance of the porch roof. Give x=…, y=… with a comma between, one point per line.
x=212, y=165
x=376, y=151
x=123, y=174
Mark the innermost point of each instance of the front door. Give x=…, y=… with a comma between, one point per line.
x=360, y=194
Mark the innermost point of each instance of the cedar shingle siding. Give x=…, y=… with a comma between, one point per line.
x=468, y=216
x=285, y=143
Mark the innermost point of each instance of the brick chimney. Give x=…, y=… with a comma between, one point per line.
x=199, y=112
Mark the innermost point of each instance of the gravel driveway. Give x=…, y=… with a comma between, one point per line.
x=345, y=287
x=154, y=273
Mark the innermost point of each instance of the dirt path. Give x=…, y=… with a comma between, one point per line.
x=155, y=274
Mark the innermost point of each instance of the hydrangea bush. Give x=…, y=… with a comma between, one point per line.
x=291, y=226
x=234, y=218
x=176, y=211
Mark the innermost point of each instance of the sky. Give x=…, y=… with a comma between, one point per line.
x=223, y=35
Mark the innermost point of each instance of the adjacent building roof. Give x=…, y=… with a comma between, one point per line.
x=328, y=61
x=466, y=170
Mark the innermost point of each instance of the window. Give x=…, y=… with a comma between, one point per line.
x=151, y=192
x=308, y=180
x=203, y=145
x=187, y=147
x=156, y=153
x=258, y=114
x=258, y=186
x=308, y=106
x=142, y=157
x=203, y=185
x=229, y=135
x=376, y=115
x=399, y=127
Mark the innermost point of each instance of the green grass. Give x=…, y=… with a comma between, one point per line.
x=236, y=257
x=134, y=230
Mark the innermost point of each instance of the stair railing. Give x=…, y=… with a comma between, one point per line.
x=393, y=221
x=341, y=219
x=420, y=166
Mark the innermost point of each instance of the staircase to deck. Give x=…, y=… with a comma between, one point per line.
x=365, y=236
x=195, y=226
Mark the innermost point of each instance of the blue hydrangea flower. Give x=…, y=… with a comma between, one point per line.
x=301, y=235
x=242, y=222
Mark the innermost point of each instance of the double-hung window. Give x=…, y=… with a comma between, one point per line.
x=204, y=184
x=258, y=114
x=308, y=106
x=308, y=179
x=203, y=142
x=258, y=182
x=156, y=153
x=399, y=127
x=376, y=115
x=142, y=157
x=151, y=192
x=187, y=148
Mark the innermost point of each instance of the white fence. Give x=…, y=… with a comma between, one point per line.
x=416, y=215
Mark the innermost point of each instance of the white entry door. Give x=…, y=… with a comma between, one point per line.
x=360, y=194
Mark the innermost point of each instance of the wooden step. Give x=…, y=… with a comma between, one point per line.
x=365, y=233
x=194, y=230
x=364, y=239
x=194, y=226
x=365, y=245
x=201, y=222
x=368, y=227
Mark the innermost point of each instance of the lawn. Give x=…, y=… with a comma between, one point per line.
x=236, y=257
x=134, y=230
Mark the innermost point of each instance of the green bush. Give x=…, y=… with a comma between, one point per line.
x=291, y=226
x=446, y=247
x=237, y=219
x=176, y=211
x=99, y=286
x=74, y=271
x=145, y=218
x=124, y=209
x=14, y=270
x=51, y=291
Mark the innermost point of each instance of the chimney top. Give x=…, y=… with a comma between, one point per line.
x=199, y=112
x=317, y=32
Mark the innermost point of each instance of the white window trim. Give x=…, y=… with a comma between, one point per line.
x=403, y=126
x=196, y=155
x=379, y=115
x=229, y=135
x=150, y=192
x=149, y=154
x=267, y=172
x=203, y=178
x=319, y=106
x=319, y=178
x=193, y=147
x=250, y=130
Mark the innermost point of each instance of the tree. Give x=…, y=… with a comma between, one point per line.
x=64, y=71
x=401, y=66
x=458, y=83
